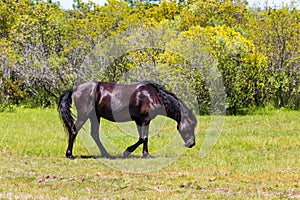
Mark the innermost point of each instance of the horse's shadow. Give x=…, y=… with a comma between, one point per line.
x=117, y=157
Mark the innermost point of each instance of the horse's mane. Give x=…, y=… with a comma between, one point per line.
x=160, y=88
x=173, y=104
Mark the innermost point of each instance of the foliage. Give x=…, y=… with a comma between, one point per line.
x=43, y=48
x=213, y=13
x=243, y=68
x=280, y=44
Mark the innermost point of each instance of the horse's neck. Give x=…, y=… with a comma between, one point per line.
x=174, y=110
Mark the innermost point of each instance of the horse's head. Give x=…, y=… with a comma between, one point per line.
x=186, y=127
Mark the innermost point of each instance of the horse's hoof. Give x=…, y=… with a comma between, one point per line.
x=126, y=154
x=71, y=157
x=147, y=156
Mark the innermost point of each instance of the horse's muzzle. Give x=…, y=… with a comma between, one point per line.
x=190, y=144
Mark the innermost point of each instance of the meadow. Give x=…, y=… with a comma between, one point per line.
x=257, y=156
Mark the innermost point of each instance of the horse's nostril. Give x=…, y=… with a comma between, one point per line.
x=190, y=144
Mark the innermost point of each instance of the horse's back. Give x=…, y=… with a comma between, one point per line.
x=116, y=102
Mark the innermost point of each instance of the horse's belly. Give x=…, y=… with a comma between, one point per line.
x=122, y=115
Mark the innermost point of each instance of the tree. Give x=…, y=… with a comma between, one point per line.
x=213, y=13
x=243, y=68
x=276, y=34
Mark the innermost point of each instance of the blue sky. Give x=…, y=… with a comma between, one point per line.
x=67, y=4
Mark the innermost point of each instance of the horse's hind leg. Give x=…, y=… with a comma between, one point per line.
x=84, y=99
x=75, y=129
x=95, y=124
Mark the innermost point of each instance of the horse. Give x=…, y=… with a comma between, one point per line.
x=139, y=102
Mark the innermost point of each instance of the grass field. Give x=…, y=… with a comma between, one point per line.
x=256, y=157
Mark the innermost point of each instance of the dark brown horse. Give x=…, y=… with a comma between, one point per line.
x=140, y=102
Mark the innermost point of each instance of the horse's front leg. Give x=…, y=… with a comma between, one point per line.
x=131, y=148
x=143, y=139
x=145, y=149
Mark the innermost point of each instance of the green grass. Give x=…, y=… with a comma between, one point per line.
x=256, y=157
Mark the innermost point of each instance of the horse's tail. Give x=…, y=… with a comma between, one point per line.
x=64, y=108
